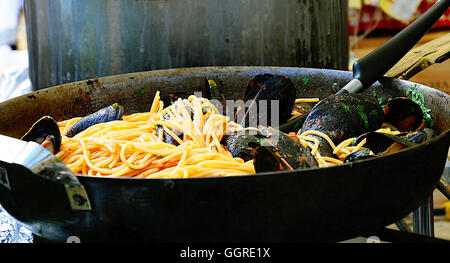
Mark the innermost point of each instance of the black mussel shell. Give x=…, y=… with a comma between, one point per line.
x=45, y=132
x=288, y=153
x=378, y=142
x=271, y=150
x=403, y=113
x=267, y=159
x=255, y=85
x=110, y=113
x=167, y=138
x=359, y=155
x=278, y=92
x=343, y=116
x=242, y=144
x=383, y=143
x=422, y=135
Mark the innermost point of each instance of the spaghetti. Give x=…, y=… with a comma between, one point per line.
x=135, y=147
x=342, y=150
x=132, y=147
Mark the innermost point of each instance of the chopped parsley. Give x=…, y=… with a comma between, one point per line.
x=305, y=80
x=417, y=97
x=142, y=91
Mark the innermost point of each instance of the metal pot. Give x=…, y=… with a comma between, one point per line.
x=323, y=204
x=72, y=40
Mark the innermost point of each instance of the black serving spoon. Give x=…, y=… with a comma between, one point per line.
x=374, y=65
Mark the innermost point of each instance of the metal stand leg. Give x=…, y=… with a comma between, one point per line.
x=423, y=220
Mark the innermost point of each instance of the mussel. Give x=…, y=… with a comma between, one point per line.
x=270, y=150
x=268, y=101
x=45, y=132
x=342, y=117
x=381, y=144
x=403, y=113
x=167, y=138
x=255, y=85
x=110, y=113
x=359, y=155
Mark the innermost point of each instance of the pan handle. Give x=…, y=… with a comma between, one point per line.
x=36, y=159
x=371, y=67
x=40, y=162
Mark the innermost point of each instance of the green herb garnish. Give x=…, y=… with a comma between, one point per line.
x=142, y=91
x=305, y=80
x=417, y=97
x=363, y=116
x=374, y=93
x=383, y=101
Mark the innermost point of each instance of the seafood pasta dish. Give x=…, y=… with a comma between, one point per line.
x=270, y=129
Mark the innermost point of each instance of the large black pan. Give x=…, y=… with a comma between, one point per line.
x=326, y=204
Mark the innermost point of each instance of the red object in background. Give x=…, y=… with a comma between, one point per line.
x=368, y=19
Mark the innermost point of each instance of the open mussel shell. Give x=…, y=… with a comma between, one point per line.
x=403, y=113
x=268, y=103
x=270, y=150
x=359, y=155
x=268, y=159
x=384, y=143
x=288, y=153
x=45, y=132
x=110, y=113
x=242, y=143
